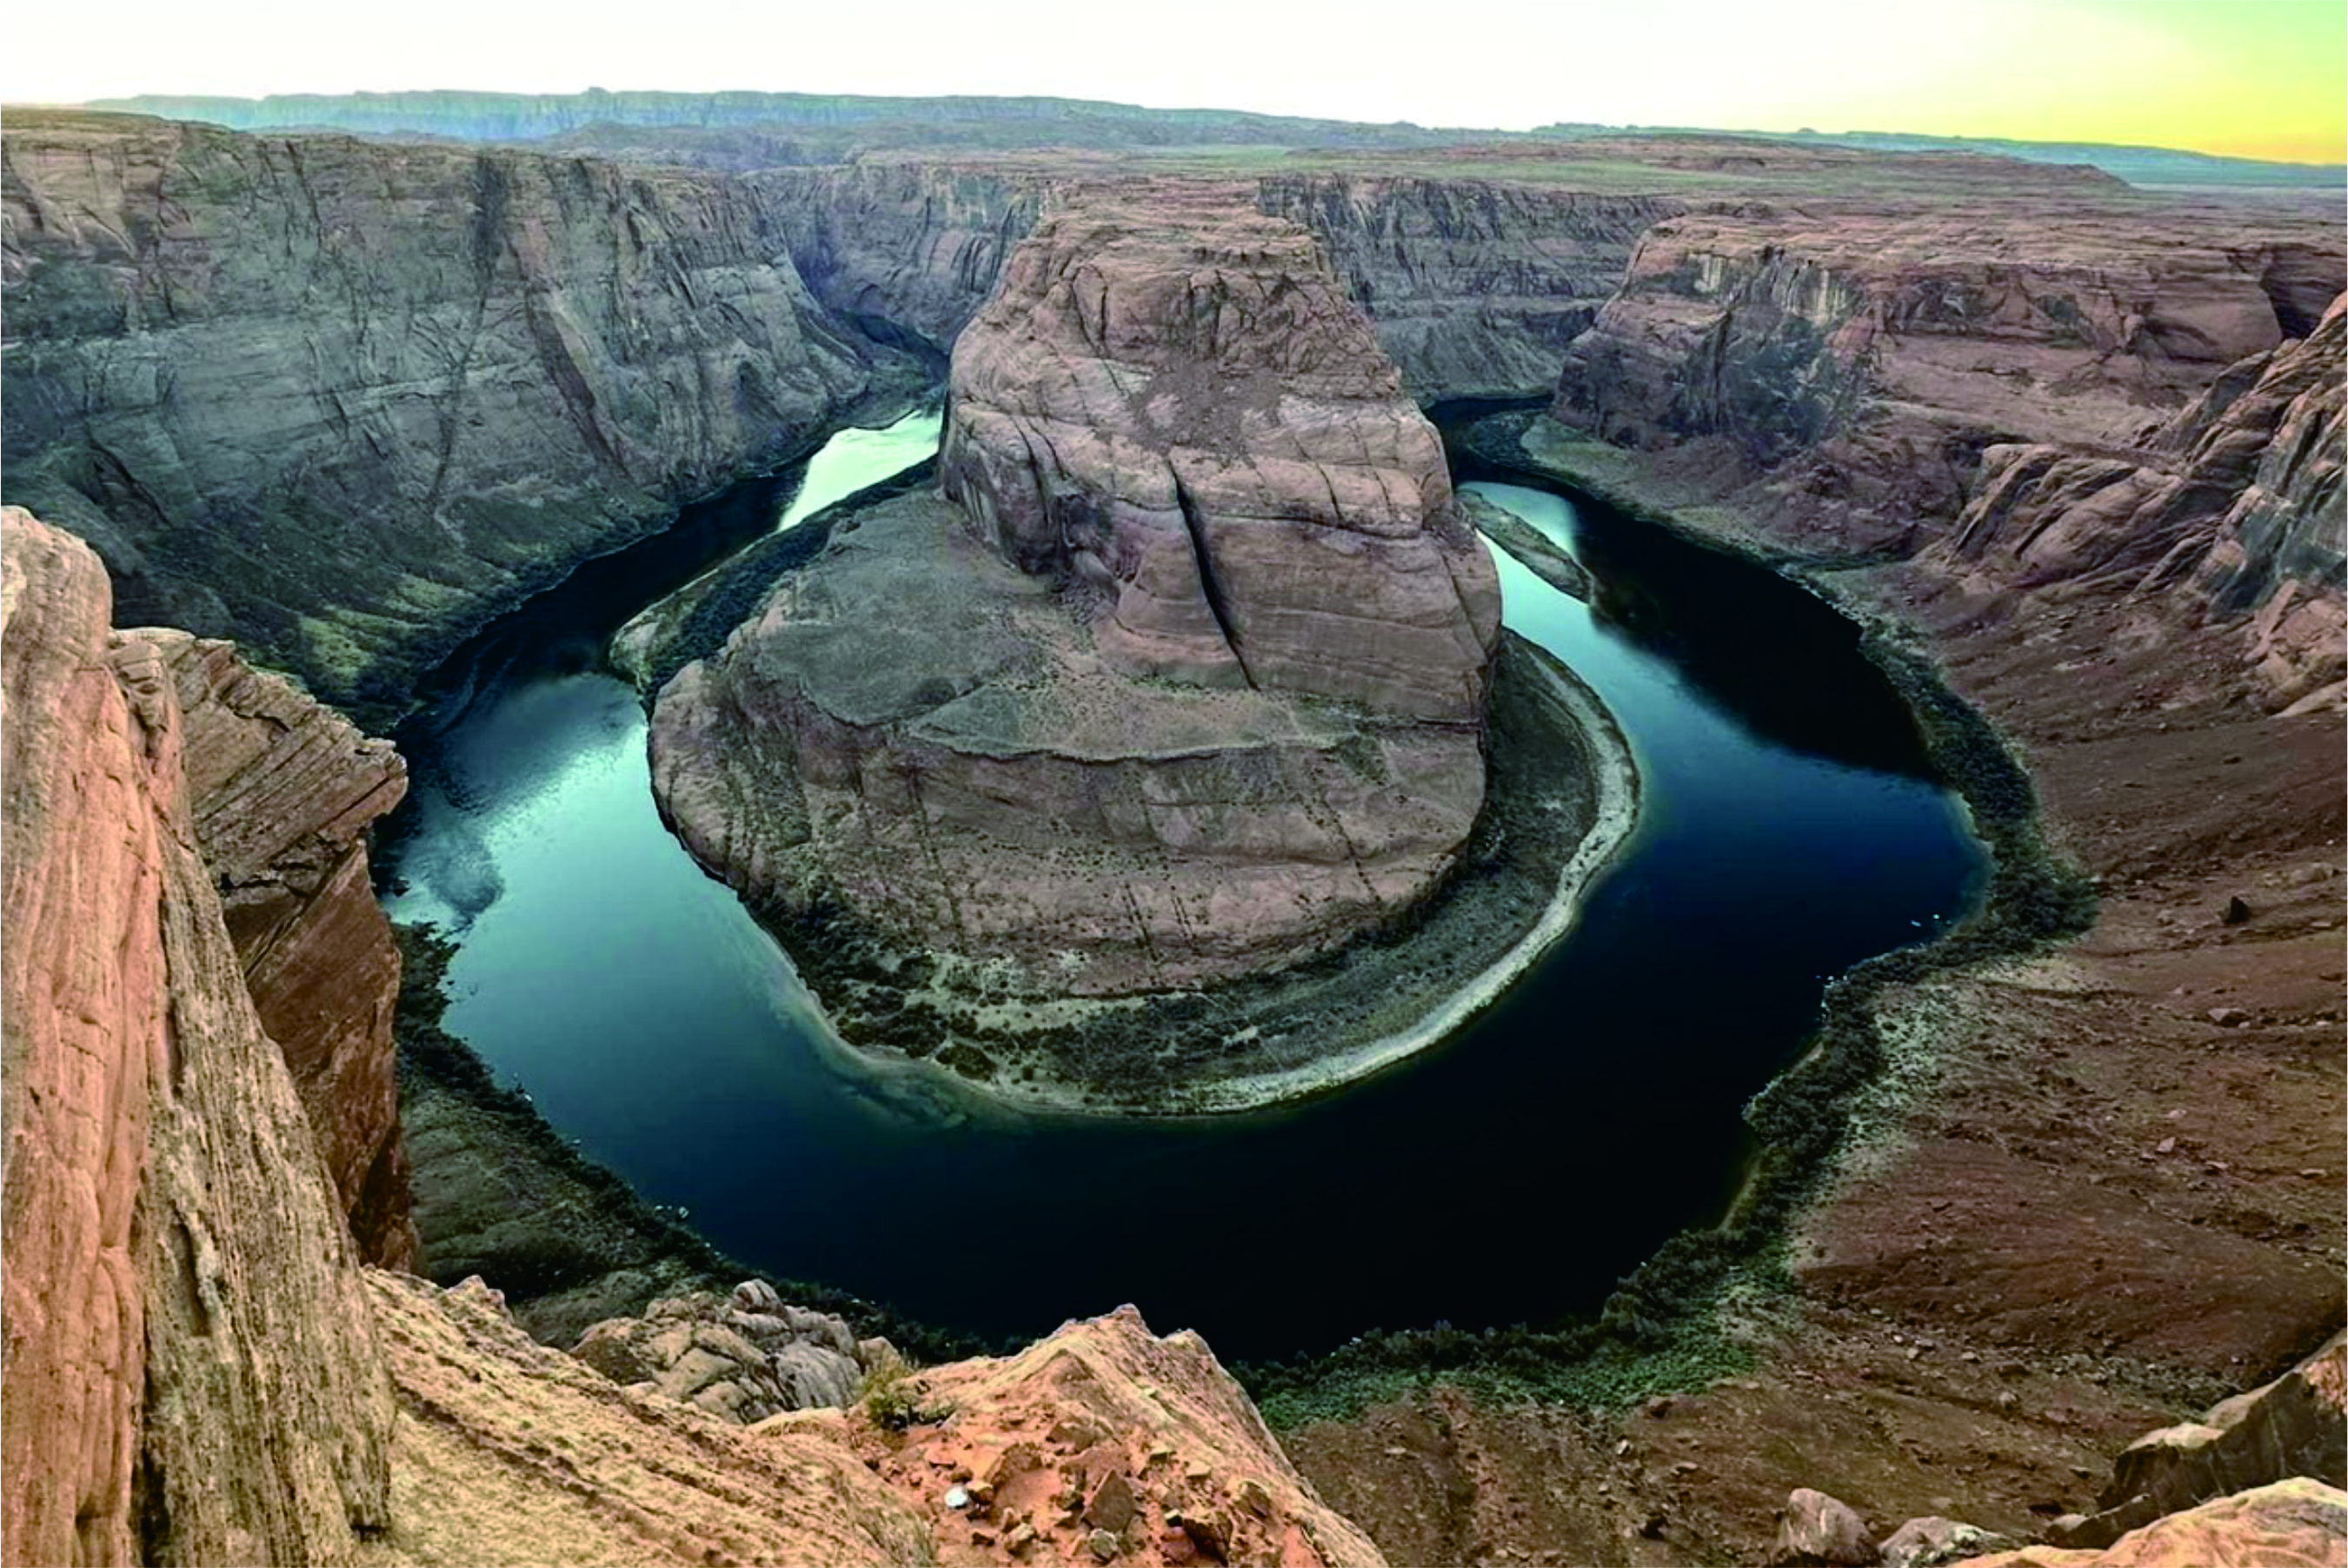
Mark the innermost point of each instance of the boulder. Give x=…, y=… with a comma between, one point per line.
x=739, y=1365
x=1936, y=1542
x=1818, y=1529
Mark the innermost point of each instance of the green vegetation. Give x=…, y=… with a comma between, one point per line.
x=892, y=1399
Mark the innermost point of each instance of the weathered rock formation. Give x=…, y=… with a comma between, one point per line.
x=1188, y=685
x=2295, y=1426
x=1104, y=1443
x=1180, y=409
x=343, y=400
x=2298, y=1524
x=2235, y=504
x=1475, y=286
x=191, y=1372
x=745, y=1356
x=1863, y=362
x=283, y=791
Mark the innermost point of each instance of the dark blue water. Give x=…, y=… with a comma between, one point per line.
x=1790, y=829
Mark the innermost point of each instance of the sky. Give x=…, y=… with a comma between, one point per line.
x=2264, y=78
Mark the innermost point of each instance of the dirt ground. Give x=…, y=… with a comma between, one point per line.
x=2104, y=1188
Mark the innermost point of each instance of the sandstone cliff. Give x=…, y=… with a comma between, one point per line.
x=283, y=791
x=343, y=400
x=2234, y=506
x=1477, y=286
x=190, y=1371
x=1176, y=407
x=1862, y=362
x=1189, y=686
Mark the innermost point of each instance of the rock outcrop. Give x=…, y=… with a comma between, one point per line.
x=1178, y=407
x=283, y=791
x=2235, y=508
x=1104, y=1443
x=745, y=1356
x=2298, y=1524
x=2295, y=1426
x=1188, y=686
x=190, y=1371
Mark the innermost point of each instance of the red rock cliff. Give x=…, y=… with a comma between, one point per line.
x=190, y=1368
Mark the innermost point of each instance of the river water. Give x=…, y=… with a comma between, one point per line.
x=1789, y=828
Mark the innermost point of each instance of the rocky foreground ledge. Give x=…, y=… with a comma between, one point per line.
x=1182, y=681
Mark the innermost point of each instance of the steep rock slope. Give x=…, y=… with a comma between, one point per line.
x=196, y=1369
x=2234, y=506
x=342, y=399
x=1861, y=362
x=1176, y=407
x=1477, y=286
x=283, y=791
x=191, y=1372
x=1189, y=686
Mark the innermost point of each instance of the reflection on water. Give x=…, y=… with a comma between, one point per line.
x=1511, y=1176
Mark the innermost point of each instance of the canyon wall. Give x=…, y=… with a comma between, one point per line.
x=344, y=400
x=191, y=1369
x=2235, y=506
x=1477, y=286
x=282, y=791
x=2036, y=395
x=1187, y=684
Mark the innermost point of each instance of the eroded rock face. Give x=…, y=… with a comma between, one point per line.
x=283, y=791
x=2234, y=508
x=2295, y=1426
x=1863, y=362
x=342, y=400
x=1105, y=1430
x=1189, y=686
x=1176, y=404
x=1475, y=286
x=190, y=1371
x=2298, y=1523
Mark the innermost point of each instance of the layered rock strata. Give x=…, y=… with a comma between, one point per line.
x=2235, y=506
x=283, y=793
x=1187, y=685
x=343, y=400
x=1863, y=362
x=191, y=1369
x=1476, y=287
